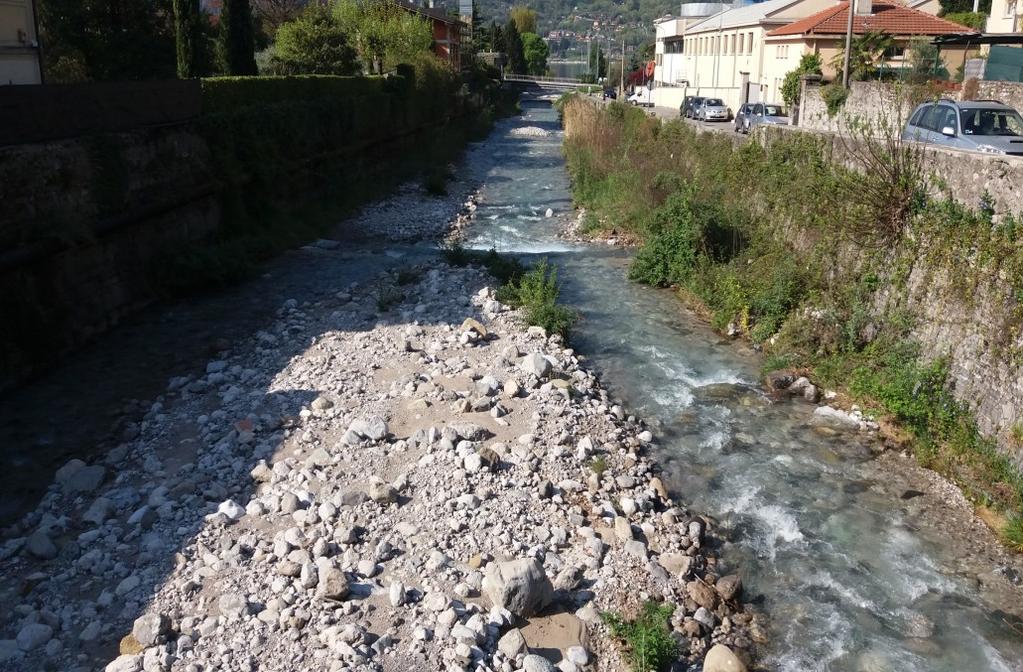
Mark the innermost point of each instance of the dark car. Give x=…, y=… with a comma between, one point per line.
x=690, y=104
x=610, y=93
x=742, y=118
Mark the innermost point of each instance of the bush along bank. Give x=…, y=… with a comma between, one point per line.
x=845, y=271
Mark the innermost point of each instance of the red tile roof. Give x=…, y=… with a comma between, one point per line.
x=888, y=18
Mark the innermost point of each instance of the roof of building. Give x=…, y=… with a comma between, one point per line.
x=747, y=15
x=886, y=17
x=430, y=12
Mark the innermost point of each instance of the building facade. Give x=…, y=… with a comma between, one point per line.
x=1006, y=17
x=19, y=43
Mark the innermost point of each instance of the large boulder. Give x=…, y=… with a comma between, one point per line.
x=721, y=659
x=535, y=364
x=535, y=663
x=520, y=586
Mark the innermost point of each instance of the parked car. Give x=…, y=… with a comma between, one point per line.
x=642, y=97
x=690, y=105
x=610, y=93
x=767, y=114
x=713, y=109
x=742, y=118
x=987, y=126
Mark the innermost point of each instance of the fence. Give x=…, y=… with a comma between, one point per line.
x=56, y=111
x=1004, y=64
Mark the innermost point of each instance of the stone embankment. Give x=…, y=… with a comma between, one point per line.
x=399, y=477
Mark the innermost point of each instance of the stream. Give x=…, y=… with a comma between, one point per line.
x=822, y=546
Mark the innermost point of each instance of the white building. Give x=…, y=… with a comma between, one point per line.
x=19, y=44
x=670, y=73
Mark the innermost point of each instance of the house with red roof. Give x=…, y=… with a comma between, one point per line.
x=824, y=33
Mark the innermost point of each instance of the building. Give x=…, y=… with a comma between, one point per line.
x=724, y=54
x=19, y=43
x=824, y=33
x=670, y=76
x=1006, y=17
x=447, y=30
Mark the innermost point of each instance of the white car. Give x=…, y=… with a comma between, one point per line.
x=642, y=96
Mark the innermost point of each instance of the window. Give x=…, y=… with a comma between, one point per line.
x=1010, y=9
x=741, y=42
x=991, y=121
x=750, y=43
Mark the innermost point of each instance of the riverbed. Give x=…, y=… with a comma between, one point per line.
x=856, y=570
x=861, y=564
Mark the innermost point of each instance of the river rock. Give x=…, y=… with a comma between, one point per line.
x=728, y=586
x=372, y=427
x=535, y=663
x=702, y=594
x=33, y=635
x=333, y=584
x=149, y=628
x=520, y=586
x=41, y=546
x=125, y=664
x=512, y=643
x=536, y=364
x=721, y=659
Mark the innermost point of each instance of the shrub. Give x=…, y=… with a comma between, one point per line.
x=648, y=639
x=315, y=43
x=973, y=20
x=809, y=64
x=1013, y=532
x=834, y=96
x=537, y=292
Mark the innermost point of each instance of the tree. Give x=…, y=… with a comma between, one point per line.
x=314, y=43
x=866, y=51
x=925, y=61
x=383, y=33
x=524, y=19
x=275, y=13
x=237, y=38
x=809, y=64
x=103, y=40
x=188, y=38
x=513, y=48
x=956, y=6
x=535, y=52
x=598, y=61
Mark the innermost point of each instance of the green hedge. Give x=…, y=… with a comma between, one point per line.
x=221, y=94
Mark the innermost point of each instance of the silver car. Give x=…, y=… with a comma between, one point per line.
x=713, y=109
x=987, y=126
x=767, y=114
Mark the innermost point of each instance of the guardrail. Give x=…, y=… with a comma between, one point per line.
x=554, y=81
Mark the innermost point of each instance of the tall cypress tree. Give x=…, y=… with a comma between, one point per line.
x=238, y=40
x=513, y=48
x=188, y=36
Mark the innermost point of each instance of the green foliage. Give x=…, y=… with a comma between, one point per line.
x=188, y=38
x=598, y=465
x=314, y=43
x=969, y=19
x=924, y=61
x=1013, y=532
x=388, y=296
x=384, y=34
x=536, y=292
x=222, y=94
x=834, y=96
x=237, y=38
x=535, y=51
x=514, y=49
x=650, y=646
x=524, y=19
x=809, y=64
x=961, y=6
x=99, y=40
x=505, y=268
x=866, y=52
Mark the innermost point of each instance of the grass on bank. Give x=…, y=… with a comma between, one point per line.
x=535, y=290
x=647, y=638
x=808, y=258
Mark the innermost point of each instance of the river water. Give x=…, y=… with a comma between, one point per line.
x=822, y=546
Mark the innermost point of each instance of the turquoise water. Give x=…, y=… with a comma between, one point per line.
x=823, y=547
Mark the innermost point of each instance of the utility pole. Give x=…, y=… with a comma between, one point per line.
x=622, y=86
x=848, y=45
